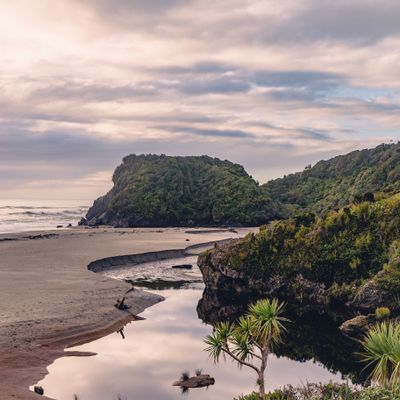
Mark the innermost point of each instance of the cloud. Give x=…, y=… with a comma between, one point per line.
x=357, y=21
x=271, y=85
x=91, y=92
x=217, y=133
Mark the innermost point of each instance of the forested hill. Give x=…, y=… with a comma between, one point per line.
x=153, y=190
x=159, y=190
x=339, y=181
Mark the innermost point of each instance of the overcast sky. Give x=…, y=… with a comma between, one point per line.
x=273, y=85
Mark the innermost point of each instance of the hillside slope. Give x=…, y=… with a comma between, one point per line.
x=153, y=190
x=337, y=182
x=349, y=258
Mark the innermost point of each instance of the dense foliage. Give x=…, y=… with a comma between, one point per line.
x=328, y=391
x=152, y=190
x=382, y=351
x=339, y=181
x=343, y=250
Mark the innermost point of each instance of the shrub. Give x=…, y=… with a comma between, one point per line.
x=382, y=313
x=380, y=393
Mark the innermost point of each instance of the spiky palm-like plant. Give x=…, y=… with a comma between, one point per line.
x=382, y=352
x=250, y=340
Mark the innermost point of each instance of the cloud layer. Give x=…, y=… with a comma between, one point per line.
x=272, y=85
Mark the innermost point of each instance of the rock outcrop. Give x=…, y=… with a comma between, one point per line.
x=226, y=286
x=357, y=326
x=221, y=278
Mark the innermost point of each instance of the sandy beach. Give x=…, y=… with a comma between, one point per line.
x=50, y=300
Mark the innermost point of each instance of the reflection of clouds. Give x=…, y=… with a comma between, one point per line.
x=158, y=270
x=153, y=355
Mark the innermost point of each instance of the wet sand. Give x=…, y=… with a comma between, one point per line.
x=49, y=300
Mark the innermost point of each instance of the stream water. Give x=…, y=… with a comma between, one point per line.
x=157, y=350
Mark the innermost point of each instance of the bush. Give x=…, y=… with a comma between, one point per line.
x=379, y=393
x=328, y=391
x=251, y=396
x=382, y=313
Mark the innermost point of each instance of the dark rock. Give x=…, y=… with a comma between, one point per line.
x=182, y=266
x=39, y=390
x=357, y=326
x=40, y=236
x=83, y=221
x=218, y=275
x=370, y=296
x=195, y=382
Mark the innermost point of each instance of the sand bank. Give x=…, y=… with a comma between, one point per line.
x=49, y=300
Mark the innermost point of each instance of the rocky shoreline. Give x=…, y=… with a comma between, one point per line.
x=222, y=280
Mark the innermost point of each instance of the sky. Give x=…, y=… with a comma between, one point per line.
x=272, y=85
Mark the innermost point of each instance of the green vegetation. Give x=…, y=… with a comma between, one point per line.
x=382, y=352
x=344, y=250
x=251, y=339
x=329, y=391
x=152, y=190
x=339, y=181
x=160, y=190
x=382, y=313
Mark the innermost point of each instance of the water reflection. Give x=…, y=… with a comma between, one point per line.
x=156, y=351
x=121, y=332
x=310, y=335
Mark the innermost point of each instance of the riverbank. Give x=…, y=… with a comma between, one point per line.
x=52, y=301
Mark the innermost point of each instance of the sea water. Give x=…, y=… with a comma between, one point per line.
x=36, y=215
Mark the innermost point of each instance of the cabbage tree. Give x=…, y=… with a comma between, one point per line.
x=251, y=339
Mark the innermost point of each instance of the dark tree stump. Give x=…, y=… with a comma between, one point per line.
x=195, y=382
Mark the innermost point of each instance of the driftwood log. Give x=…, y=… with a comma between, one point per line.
x=120, y=304
x=195, y=382
x=183, y=266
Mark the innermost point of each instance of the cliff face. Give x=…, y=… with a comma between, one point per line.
x=223, y=280
x=151, y=190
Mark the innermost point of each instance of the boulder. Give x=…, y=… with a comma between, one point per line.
x=38, y=390
x=357, y=326
x=370, y=296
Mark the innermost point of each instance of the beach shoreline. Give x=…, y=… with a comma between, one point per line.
x=52, y=301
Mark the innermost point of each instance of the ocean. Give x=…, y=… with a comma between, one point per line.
x=36, y=215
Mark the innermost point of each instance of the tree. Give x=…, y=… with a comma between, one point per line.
x=251, y=339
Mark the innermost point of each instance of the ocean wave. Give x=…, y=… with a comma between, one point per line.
x=63, y=213
x=31, y=218
x=41, y=208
